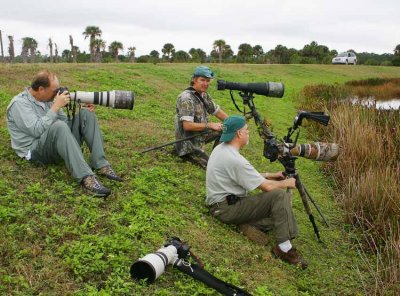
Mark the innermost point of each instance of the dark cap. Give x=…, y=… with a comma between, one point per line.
x=231, y=125
x=203, y=71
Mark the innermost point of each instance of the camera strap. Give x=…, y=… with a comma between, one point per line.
x=197, y=95
x=199, y=273
x=72, y=107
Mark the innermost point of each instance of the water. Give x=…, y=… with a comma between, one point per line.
x=371, y=102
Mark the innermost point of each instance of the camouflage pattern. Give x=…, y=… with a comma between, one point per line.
x=317, y=151
x=189, y=107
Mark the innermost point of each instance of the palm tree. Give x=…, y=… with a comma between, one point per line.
x=29, y=45
x=397, y=50
x=257, y=51
x=55, y=53
x=114, y=47
x=51, y=50
x=92, y=32
x=2, y=52
x=168, y=50
x=11, y=48
x=245, y=52
x=219, y=47
x=99, y=45
x=131, y=53
x=73, y=49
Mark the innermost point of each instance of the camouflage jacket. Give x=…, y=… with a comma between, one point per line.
x=190, y=107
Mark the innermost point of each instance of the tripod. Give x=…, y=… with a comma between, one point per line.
x=281, y=151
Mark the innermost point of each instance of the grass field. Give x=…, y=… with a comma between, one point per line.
x=55, y=240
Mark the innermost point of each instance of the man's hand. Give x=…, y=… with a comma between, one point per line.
x=60, y=100
x=215, y=126
x=290, y=183
x=90, y=107
x=275, y=176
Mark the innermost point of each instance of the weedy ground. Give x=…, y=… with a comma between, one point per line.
x=367, y=174
x=56, y=240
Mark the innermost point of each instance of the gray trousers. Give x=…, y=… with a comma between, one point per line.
x=266, y=211
x=59, y=143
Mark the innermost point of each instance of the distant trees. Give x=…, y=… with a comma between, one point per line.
x=11, y=48
x=168, y=50
x=245, y=53
x=396, y=59
x=219, y=47
x=74, y=49
x=197, y=55
x=312, y=53
x=92, y=32
x=181, y=56
x=221, y=51
x=55, y=52
x=131, y=53
x=98, y=46
x=51, y=50
x=114, y=47
x=29, y=46
x=397, y=50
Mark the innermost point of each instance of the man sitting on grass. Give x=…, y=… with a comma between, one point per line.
x=40, y=131
x=229, y=179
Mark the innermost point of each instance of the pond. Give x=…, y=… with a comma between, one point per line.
x=378, y=104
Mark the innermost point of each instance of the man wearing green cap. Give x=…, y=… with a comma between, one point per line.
x=193, y=106
x=230, y=177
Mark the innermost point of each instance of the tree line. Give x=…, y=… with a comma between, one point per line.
x=222, y=52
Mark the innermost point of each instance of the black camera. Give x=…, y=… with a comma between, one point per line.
x=181, y=248
x=61, y=89
x=269, y=89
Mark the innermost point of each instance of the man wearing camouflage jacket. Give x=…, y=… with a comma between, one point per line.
x=192, y=109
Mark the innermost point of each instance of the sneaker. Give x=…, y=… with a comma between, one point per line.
x=291, y=257
x=253, y=234
x=109, y=173
x=93, y=186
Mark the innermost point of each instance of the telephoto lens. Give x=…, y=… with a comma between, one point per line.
x=269, y=89
x=118, y=99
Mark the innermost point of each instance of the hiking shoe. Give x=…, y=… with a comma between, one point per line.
x=291, y=257
x=109, y=173
x=93, y=186
x=253, y=234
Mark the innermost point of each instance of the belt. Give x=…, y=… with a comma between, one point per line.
x=218, y=204
x=230, y=199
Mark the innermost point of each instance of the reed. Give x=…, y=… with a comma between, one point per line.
x=367, y=175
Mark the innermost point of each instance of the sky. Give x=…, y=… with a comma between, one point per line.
x=361, y=25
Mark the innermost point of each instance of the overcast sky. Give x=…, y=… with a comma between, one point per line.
x=362, y=25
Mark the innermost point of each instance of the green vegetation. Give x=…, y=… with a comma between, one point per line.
x=367, y=173
x=55, y=240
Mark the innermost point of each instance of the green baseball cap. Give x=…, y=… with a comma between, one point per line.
x=231, y=125
x=203, y=71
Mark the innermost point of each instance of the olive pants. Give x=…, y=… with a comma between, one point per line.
x=266, y=211
x=198, y=156
x=59, y=143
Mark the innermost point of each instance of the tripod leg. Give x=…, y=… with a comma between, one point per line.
x=300, y=187
x=315, y=205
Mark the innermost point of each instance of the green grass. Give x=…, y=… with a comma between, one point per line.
x=55, y=240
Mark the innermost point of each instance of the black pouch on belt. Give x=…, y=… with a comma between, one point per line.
x=231, y=199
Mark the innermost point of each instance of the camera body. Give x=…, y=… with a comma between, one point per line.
x=182, y=249
x=62, y=89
